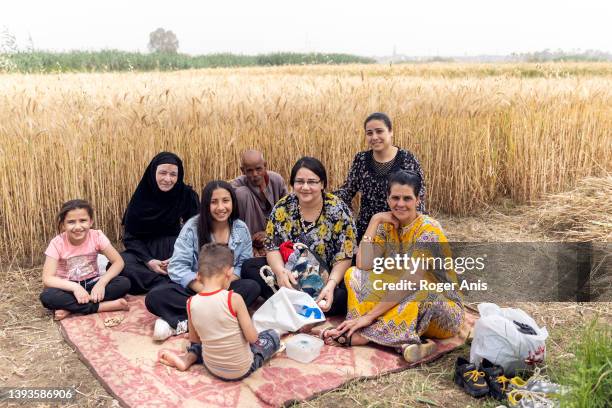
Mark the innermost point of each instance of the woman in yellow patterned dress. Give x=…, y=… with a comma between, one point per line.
x=398, y=316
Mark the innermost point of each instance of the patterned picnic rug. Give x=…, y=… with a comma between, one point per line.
x=124, y=359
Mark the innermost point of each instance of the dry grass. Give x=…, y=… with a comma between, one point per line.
x=479, y=139
x=32, y=350
x=452, y=70
x=582, y=214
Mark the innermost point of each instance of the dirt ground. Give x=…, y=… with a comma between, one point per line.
x=33, y=353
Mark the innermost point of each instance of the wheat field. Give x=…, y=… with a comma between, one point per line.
x=480, y=138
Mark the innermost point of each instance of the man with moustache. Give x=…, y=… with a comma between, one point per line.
x=257, y=190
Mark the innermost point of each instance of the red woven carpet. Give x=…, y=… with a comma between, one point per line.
x=124, y=359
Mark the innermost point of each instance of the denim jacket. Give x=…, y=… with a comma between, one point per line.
x=183, y=265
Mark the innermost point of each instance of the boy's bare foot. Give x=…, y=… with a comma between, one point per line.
x=60, y=314
x=114, y=305
x=172, y=359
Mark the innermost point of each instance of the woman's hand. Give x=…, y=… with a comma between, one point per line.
x=158, y=266
x=326, y=297
x=386, y=217
x=351, y=326
x=97, y=293
x=285, y=278
x=80, y=294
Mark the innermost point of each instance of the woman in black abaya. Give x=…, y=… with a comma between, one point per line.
x=153, y=220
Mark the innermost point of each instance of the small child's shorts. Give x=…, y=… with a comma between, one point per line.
x=268, y=343
x=264, y=348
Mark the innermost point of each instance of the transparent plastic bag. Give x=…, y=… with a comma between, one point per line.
x=507, y=337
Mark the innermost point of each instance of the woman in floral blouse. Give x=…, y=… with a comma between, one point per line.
x=319, y=220
x=370, y=169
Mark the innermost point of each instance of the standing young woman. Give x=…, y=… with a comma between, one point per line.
x=370, y=169
x=217, y=222
x=152, y=221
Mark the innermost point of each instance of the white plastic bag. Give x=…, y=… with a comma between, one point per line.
x=507, y=337
x=287, y=311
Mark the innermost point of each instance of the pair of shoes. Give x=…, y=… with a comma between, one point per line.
x=416, y=352
x=533, y=393
x=163, y=330
x=472, y=380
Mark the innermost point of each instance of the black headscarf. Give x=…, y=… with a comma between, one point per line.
x=152, y=212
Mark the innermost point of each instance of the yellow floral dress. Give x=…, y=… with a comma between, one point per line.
x=419, y=312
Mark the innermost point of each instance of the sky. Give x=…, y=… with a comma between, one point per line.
x=363, y=27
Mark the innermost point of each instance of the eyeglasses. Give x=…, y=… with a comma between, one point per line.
x=310, y=183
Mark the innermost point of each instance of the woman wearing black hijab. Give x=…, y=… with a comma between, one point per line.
x=153, y=220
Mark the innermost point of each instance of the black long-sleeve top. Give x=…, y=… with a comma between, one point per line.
x=362, y=177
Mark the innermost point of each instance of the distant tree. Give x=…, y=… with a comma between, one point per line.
x=161, y=40
x=8, y=42
x=8, y=48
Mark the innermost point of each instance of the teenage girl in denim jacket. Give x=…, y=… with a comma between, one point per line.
x=217, y=222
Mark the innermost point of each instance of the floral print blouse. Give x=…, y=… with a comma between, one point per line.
x=332, y=236
x=373, y=187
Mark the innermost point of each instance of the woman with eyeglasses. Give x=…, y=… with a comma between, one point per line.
x=153, y=219
x=370, y=169
x=318, y=219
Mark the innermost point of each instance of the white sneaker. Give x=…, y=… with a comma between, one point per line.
x=162, y=330
x=182, y=327
x=530, y=399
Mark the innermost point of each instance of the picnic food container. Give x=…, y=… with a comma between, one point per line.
x=304, y=348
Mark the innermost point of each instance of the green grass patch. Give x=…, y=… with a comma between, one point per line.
x=589, y=374
x=114, y=60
